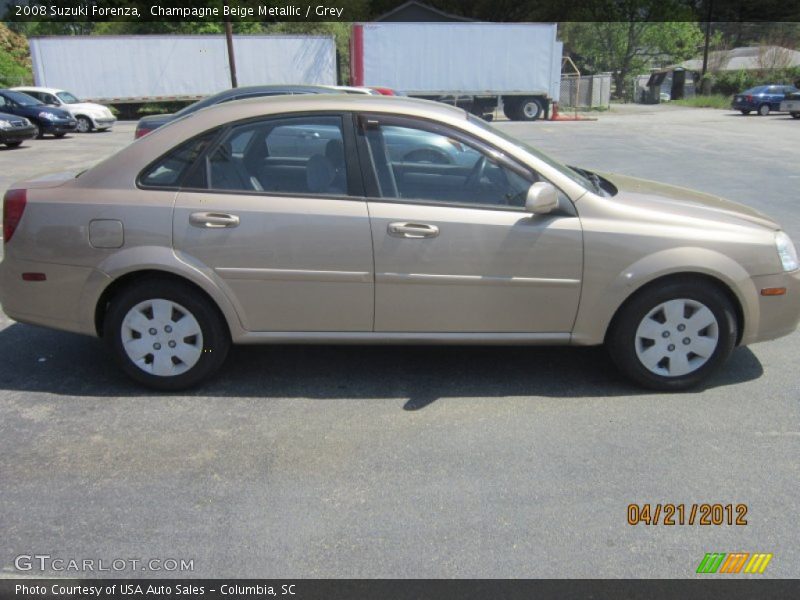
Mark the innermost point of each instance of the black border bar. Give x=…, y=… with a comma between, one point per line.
x=711, y=588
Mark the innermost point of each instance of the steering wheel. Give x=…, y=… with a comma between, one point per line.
x=476, y=174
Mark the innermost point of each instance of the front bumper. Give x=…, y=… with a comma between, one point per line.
x=59, y=126
x=104, y=123
x=777, y=315
x=17, y=134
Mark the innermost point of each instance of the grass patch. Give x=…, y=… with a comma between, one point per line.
x=712, y=101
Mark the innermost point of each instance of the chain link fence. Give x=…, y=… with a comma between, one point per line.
x=587, y=91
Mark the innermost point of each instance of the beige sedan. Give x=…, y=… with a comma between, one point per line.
x=344, y=219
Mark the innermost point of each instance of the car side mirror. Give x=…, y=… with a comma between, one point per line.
x=542, y=198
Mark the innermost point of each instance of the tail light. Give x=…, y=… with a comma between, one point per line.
x=748, y=98
x=141, y=132
x=13, y=206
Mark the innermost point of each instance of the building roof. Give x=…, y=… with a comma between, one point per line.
x=417, y=12
x=753, y=58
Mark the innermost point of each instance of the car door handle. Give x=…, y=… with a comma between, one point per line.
x=213, y=220
x=412, y=230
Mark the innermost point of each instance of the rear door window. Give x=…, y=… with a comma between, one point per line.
x=296, y=155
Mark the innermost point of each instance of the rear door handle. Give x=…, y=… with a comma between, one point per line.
x=210, y=220
x=412, y=230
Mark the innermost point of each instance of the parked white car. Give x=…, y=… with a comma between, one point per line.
x=88, y=114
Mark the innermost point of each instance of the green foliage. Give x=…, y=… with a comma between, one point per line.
x=628, y=48
x=733, y=82
x=15, y=65
x=722, y=101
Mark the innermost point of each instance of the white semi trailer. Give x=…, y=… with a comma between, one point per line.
x=147, y=68
x=481, y=66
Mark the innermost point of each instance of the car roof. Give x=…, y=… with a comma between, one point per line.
x=265, y=105
x=31, y=88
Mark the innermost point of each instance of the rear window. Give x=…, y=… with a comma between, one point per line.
x=168, y=171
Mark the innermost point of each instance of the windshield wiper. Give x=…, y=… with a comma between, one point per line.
x=593, y=178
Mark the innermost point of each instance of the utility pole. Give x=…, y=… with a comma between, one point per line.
x=231, y=57
x=708, y=40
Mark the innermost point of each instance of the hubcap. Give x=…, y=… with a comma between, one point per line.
x=531, y=109
x=162, y=337
x=83, y=125
x=689, y=321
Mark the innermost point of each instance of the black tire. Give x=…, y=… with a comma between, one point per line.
x=510, y=108
x=763, y=110
x=795, y=115
x=529, y=109
x=215, y=334
x=745, y=112
x=84, y=125
x=621, y=340
x=13, y=144
x=39, y=130
x=59, y=135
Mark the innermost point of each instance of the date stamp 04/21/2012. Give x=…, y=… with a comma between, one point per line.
x=687, y=514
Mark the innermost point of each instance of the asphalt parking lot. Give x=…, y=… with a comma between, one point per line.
x=415, y=462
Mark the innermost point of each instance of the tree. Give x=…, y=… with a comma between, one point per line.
x=627, y=48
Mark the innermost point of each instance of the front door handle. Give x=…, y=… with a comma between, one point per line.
x=210, y=220
x=412, y=230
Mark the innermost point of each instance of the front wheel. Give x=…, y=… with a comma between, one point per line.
x=37, y=130
x=84, y=125
x=165, y=334
x=673, y=336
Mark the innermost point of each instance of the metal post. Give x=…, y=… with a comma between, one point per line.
x=707, y=42
x=231, y=58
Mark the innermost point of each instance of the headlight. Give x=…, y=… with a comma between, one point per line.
x=5, y=124
x=786, y=251
x=47, y=116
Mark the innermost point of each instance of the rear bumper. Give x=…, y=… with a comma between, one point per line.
x=66, y=300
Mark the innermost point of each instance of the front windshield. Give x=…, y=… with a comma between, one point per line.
x=570, y=172
x=22, y=99
x=67, y=98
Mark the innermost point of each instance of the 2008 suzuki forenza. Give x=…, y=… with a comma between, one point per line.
x=336, y=219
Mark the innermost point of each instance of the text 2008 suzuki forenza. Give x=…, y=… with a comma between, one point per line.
x=384, y=220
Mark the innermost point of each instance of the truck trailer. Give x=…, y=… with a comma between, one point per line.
x=515, y=67
x=133, y=69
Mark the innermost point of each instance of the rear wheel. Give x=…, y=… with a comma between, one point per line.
x=795, y=115
x=673, y=336
x=166, y=335
x=763, y=110
x=745, y=112
x=13, y=144
x=59, y=135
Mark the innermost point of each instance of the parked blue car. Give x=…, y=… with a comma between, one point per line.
x=45, y=119
x=762, y=99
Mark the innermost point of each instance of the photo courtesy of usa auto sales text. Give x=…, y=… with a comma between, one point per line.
x=135, y=589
